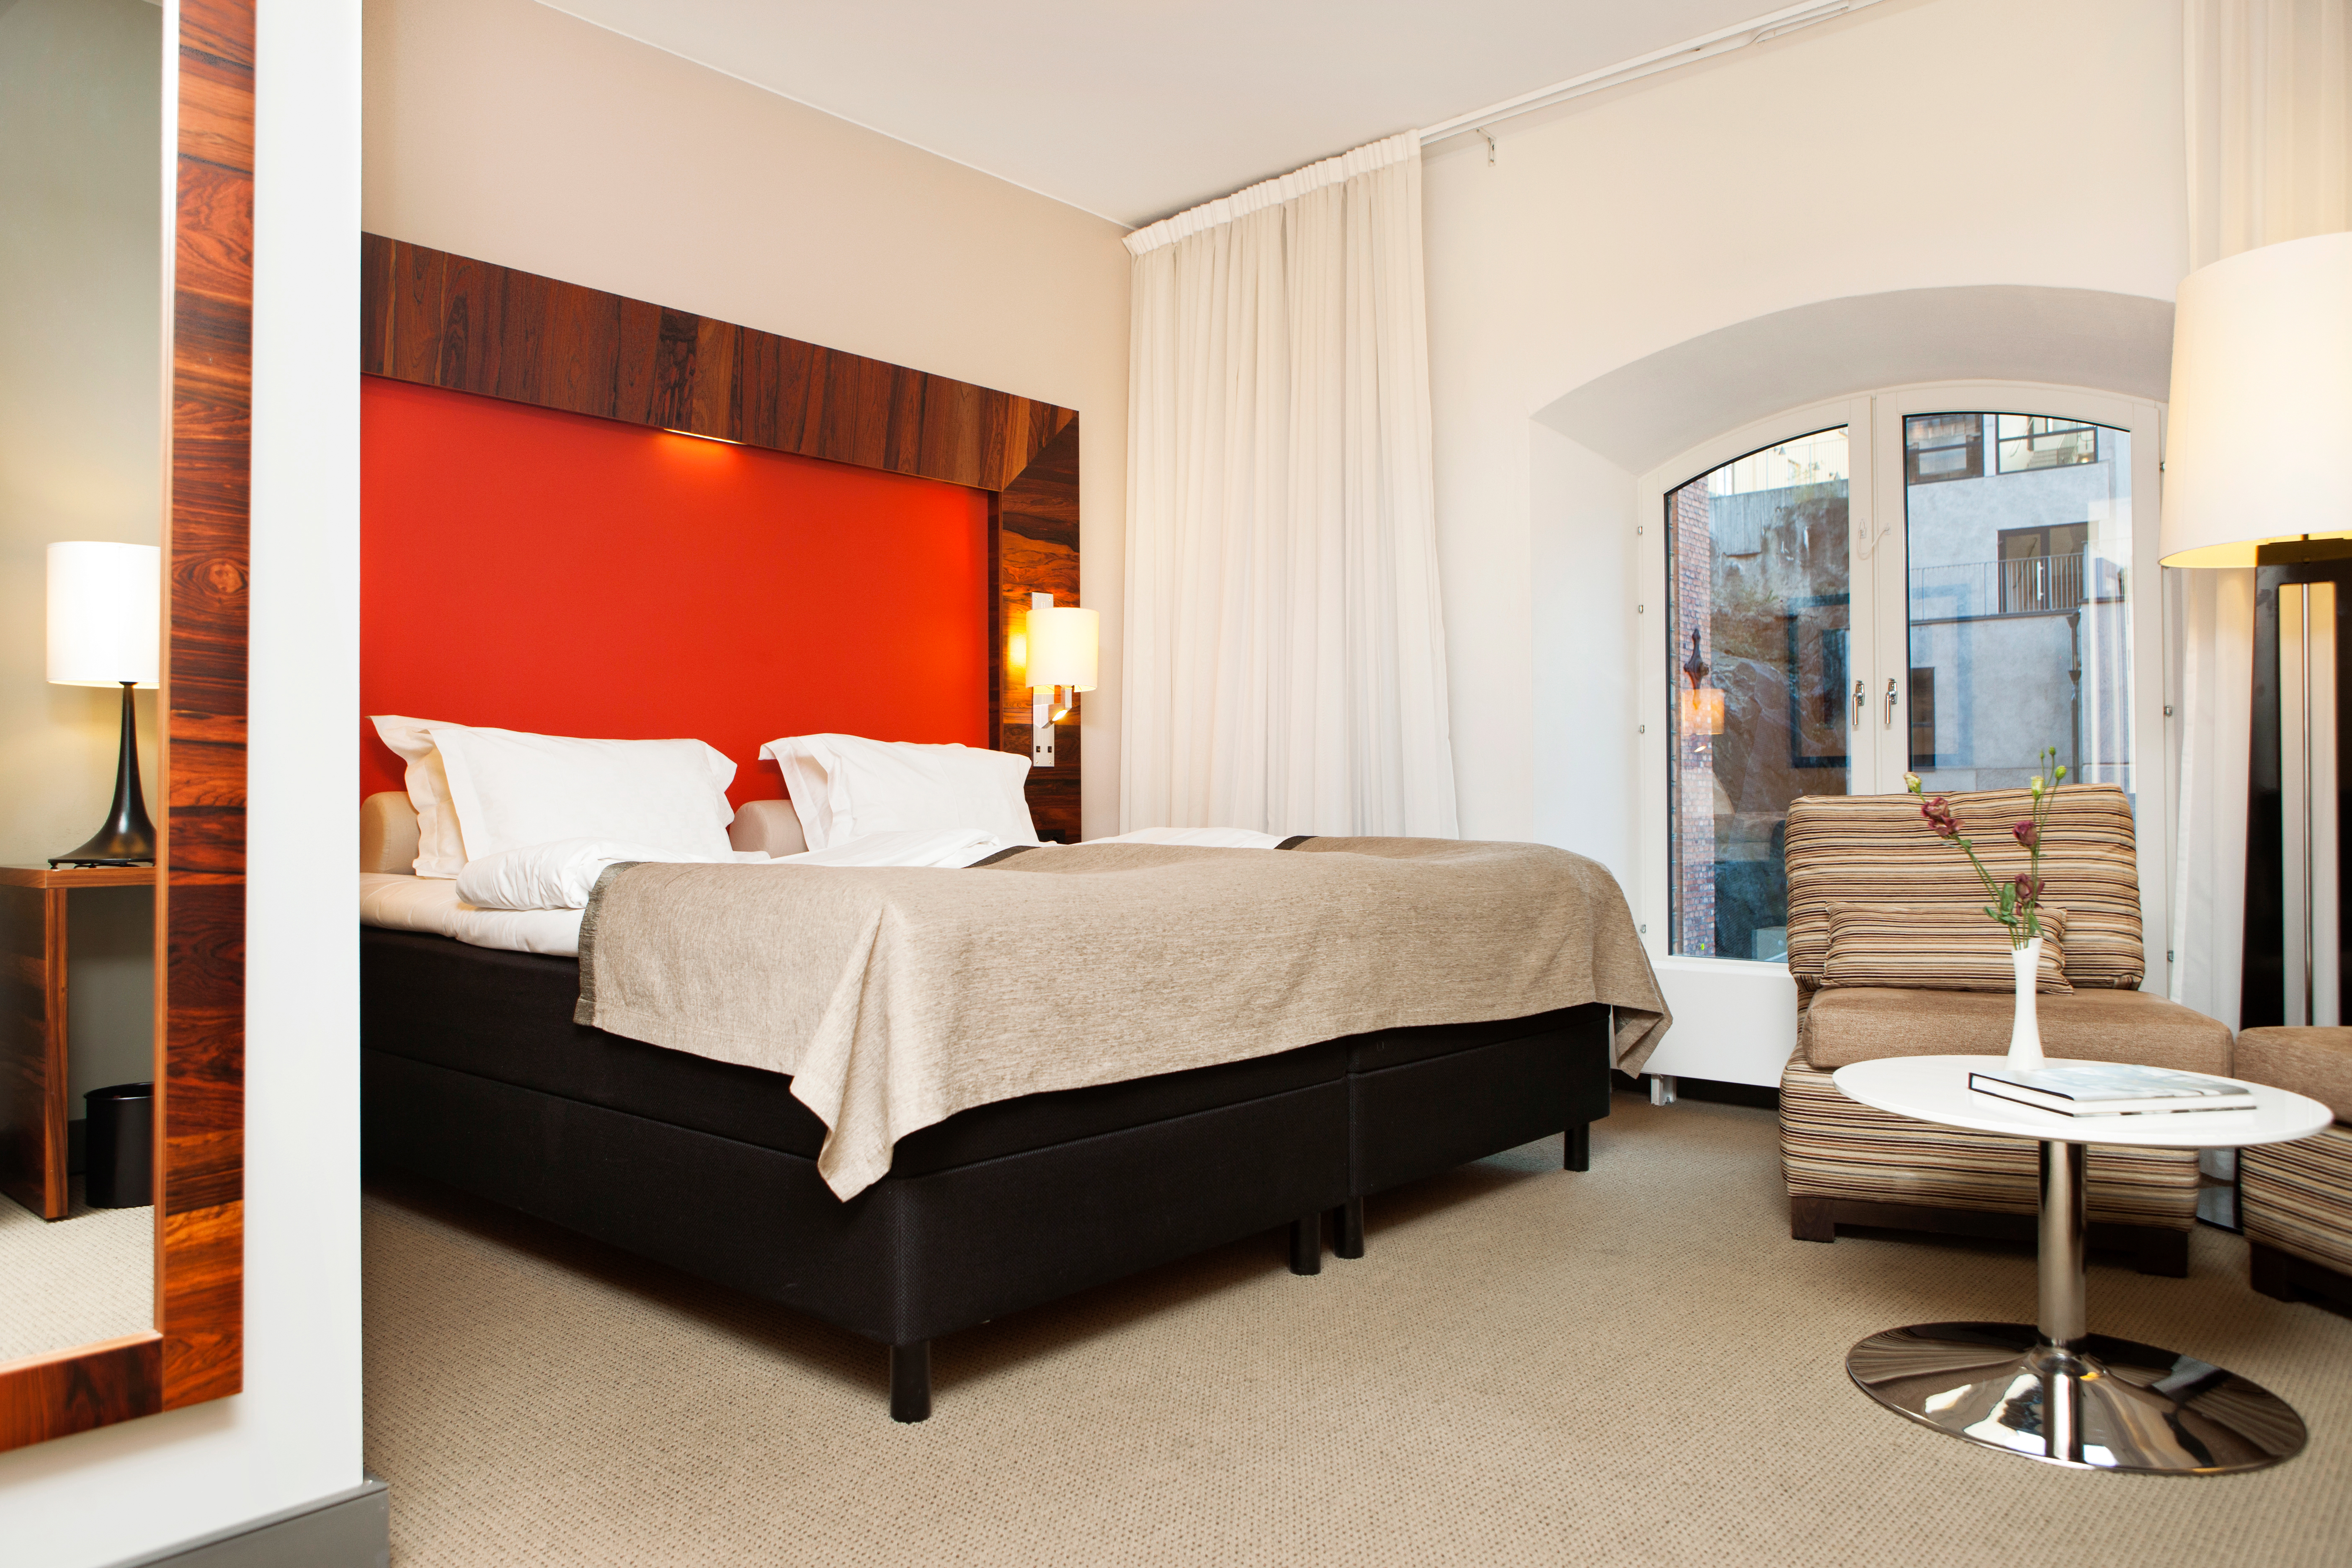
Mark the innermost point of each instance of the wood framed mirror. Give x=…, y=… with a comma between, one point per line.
x=194, y=1352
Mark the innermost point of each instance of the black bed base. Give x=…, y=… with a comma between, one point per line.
x=473, y=1075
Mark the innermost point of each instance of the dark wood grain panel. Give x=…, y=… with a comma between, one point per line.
x=33, y=1107
x=759, y=370
x=200, y=922
x=524, y=307
x=1053, y=802
x=1034, y=550
x=635, y=363
x=513, y=334
x=95, y=1385
x=461, y=339
x=76, y=876
x=375, y=279
x=579, y=355
x=203, y=1304
x=710, y=390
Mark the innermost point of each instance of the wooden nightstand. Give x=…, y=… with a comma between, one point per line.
x=33, y=1108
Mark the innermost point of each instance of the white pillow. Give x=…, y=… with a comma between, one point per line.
x=845, y=786
x=440, y=845
x=513, y=790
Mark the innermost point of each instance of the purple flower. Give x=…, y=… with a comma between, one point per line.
x=1939, y=817
x=2027, y=888
x=2025, y=832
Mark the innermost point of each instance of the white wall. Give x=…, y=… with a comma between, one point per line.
x=293, y=1437
x=80, y=444
x=1907, y=147
x=510, y=131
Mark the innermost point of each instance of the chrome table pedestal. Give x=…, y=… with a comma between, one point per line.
x=2055, y=1392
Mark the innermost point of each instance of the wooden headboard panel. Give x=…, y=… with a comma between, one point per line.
x=439, y=320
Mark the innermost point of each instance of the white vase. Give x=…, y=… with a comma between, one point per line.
x=2024, y=1029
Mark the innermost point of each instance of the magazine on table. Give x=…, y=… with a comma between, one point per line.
x=2112, y=1088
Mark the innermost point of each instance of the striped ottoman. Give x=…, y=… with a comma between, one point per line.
x=2296, y=1199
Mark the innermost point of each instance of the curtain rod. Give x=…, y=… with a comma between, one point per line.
x=1722, y=41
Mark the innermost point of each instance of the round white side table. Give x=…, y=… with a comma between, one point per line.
x=2053, y=1391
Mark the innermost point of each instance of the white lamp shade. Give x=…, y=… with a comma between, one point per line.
x=2262, y=404
x=1063, y=642
x=106, y=611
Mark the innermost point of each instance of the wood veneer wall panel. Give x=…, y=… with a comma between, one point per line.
x=32, y=1069
x=54, y=1396
x=1035, y=548
x=442, y=320
x=200, y=925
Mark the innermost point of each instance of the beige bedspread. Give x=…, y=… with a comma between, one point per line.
x=896, y=998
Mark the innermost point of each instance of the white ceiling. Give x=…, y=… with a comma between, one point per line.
x=1137, y=109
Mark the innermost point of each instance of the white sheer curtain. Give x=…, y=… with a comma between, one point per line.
x=2270, y=122
x=2269, y=101
x=2213, y=621
x=1285, y=663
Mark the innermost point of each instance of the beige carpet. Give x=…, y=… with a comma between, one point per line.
x=88, y=1276
x=1633, y=1365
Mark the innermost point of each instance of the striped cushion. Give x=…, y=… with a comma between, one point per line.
x=2298, y=1197
x=1876, y=848
x=1832, y=1147
x=1936, y=947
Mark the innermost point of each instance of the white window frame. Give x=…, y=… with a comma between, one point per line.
x=1652, y=859
x=1879, y=586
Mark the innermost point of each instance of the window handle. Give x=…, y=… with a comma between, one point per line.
x=1860, y=701
x=1890, y=702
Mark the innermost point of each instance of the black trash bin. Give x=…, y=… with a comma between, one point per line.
x=118, y=1147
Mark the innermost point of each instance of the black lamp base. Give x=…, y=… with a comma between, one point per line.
x=127, y=838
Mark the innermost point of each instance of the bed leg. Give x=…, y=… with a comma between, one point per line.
x=1578, y=1153
x=1306, y=1244
x=911, y=1381
x=1348, y=1229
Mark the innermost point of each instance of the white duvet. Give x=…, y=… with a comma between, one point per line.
x=530, y=900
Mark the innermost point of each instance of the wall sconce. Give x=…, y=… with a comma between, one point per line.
x=106, y=612
x=1703, y=711
x=1063, y=645
x=1702, y=706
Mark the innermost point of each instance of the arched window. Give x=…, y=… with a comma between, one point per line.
x=1942, y=579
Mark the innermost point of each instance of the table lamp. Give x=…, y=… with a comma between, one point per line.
x=105, y=629
x=2254, y=469
x=1063, y=642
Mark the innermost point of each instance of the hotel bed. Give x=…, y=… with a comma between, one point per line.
x=480, y=1072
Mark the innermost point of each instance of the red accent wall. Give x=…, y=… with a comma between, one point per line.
x=571, y=576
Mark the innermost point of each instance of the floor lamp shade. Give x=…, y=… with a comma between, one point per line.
x=105, y=614
x=2262, y=405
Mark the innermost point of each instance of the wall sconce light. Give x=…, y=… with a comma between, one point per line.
x=1063, y=641
x=1703, y=711
x=1702, y=706
x=106, y=611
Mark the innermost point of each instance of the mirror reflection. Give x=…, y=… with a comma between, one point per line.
x=81, y=366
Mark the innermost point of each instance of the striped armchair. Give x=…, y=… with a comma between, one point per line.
x=2296, y=1199
x=1849, y=1165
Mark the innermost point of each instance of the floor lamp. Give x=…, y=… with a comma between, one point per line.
x=2258, y=472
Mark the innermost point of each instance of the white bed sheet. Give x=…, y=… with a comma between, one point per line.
x=431, y=904
x=398, y=902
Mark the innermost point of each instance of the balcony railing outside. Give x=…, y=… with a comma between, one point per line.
x=2029, y=585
